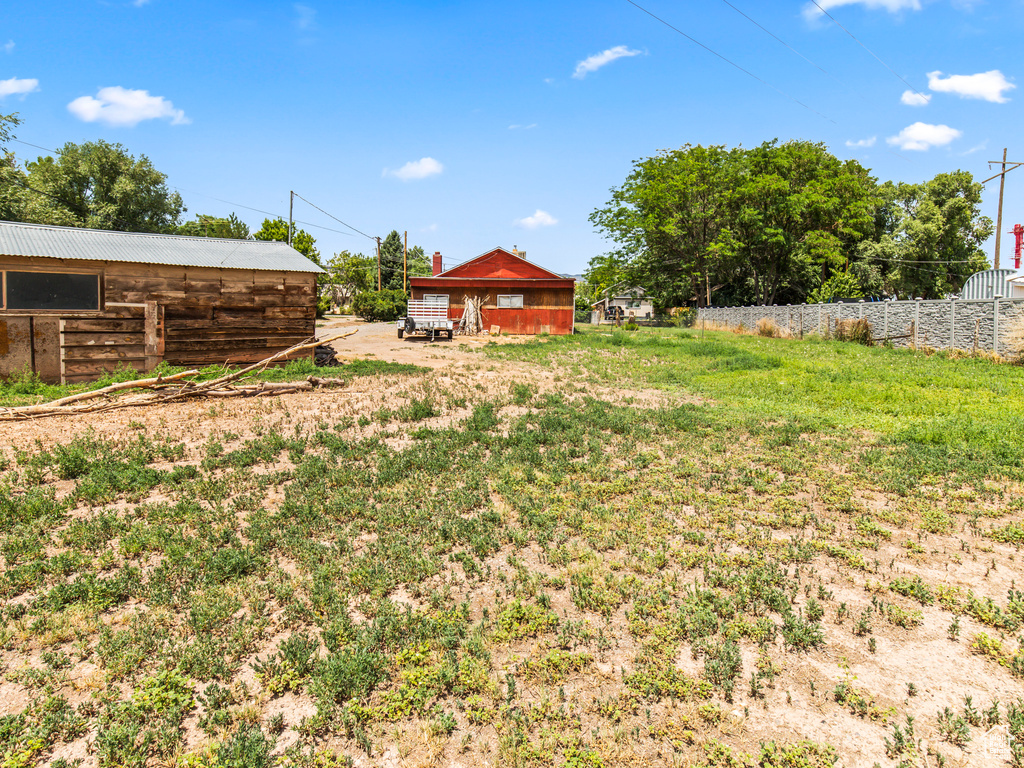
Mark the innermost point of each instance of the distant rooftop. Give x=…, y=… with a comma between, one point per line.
x=17, y=239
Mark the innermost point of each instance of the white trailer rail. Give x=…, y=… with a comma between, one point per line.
x=429, y=316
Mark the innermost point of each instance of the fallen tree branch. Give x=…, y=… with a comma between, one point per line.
x=167, y=389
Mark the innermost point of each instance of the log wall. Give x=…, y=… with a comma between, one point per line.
x=190, y=316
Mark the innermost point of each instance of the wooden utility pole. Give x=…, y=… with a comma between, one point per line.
x=405, y=262
x=1003, y=170
x=378, y=263
x=999, y=215
x=291, y=207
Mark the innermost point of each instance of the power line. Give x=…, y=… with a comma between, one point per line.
x=769, y=32
x=868, y=50
x=732, y=63
x=325, y=213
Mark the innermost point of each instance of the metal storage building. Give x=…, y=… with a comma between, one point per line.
x=77, y=303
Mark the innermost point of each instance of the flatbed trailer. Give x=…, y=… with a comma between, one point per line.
x=428, y=317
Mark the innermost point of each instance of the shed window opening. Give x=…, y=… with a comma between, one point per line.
x=510, y=302
x=435, y=298
x=51, y=290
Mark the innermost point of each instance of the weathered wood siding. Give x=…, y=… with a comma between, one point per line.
x=545, y=310
x=151, y=312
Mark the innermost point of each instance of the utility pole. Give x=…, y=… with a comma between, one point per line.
x=378, y=263
x=999, y=215
x=291, y=207
x=405, y=261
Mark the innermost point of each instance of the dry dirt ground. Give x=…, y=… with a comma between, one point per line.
x=798, y=706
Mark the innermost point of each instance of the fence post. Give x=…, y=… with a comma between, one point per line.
x=861, y=315
x=885, y=320
x=917, y=318
x=952, y=322
x=995, y=324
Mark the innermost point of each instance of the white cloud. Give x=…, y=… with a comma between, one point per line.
x=416, y=169
x=125, y=107
x=923, y=136
x=539, y=219
x=812, y=11
x=915, y=99
x=9, y=46
x=862, y=143
x=975, y=148
x=306, y=16
x=984, y=85
x=522, y=127
x=16, y=87
x=598, y=60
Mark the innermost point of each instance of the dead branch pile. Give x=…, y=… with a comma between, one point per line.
x=472, y=321
x=178, y=387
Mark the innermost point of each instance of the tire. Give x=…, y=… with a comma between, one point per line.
x=410, y=326
x=401, y=332
x=449, y=335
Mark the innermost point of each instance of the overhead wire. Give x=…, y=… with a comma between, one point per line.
x=876, y=56
x=779, y=39
x=730, y=62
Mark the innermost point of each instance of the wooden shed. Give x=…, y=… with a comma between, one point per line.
x=519, y=296
x=76, y=303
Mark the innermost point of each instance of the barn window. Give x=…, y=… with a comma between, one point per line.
x=510, y=302
x=435, y=298
x=52, y=290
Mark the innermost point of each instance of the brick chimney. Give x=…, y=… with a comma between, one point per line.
x=438, y=269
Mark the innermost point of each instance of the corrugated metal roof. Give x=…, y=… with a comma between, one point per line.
x=986, y=284
x=18, y=239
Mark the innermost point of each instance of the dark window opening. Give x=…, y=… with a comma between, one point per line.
x=52, y=290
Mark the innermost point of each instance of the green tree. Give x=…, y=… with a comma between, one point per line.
x=794, y=216
x=347, y=275
x=230, y=228
x=928, y=236
x=302, y=241
x=391, y=255
x=101, y=186
x=18, y=201
x=667, y=218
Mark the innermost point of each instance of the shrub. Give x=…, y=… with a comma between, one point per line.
x=380, y=306
x=859, y=331
x=766, y=327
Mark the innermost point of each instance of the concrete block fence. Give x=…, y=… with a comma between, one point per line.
x=972, y=325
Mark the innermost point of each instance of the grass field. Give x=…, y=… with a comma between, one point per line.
x=646, y=548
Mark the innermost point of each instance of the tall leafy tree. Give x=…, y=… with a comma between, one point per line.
x=666, y=219
x=795, y=213
x=101, y=186
x=929, y=237
x=18, y=200
x=204, y=225
x=347, y=275
x=302, y=241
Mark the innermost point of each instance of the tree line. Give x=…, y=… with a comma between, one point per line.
x=785, y=223
x=100, y=185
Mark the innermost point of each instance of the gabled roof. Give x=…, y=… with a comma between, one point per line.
x=500, y=264
x=38, y=240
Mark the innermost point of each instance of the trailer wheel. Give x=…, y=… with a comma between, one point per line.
x=410, y=326
x=449, y=335
x=401, y=332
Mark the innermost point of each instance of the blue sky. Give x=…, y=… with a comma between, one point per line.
x=473, y=124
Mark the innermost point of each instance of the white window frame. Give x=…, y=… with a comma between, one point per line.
x=510, y=301
x=435, y=298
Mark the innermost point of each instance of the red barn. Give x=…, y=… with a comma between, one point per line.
x=518, y=296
